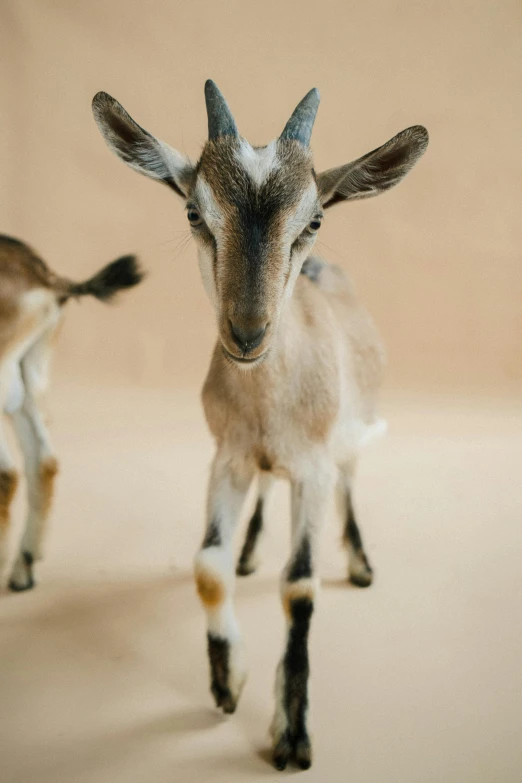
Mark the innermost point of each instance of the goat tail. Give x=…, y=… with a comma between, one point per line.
x=123, y=273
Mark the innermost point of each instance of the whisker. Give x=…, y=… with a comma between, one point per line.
x=182, y=246
x=184, y=232
x=332, y=250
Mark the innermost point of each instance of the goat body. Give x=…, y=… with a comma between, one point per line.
x=292, y=386
x=31, y=310
x=316, y=389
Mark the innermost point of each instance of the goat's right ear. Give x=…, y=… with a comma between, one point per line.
x=138, y=148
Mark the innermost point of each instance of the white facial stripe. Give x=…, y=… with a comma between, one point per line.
x=210, y=210
x=259, y=163
x=206, y=268
x=303, y=212
x=214, y=217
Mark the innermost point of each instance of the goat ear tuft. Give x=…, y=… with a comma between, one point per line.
x=138, y=148
x=375, y=172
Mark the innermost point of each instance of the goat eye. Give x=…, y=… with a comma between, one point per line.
x=314, y=225
x=194, y=218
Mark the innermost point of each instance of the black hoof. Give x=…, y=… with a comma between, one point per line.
x=224, y=699
x=17, y=588
x=363, y=579
x=28, y=583
x=280, y=761
x=229, y=705
x=282, y=752
x=244, y=569
x=288, y=749
x=303, y=754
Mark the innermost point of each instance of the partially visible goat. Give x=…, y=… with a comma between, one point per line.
x=31, y=308
x=291, y=389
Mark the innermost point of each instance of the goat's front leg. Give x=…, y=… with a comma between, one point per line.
x=298, y=591
x=215, y=579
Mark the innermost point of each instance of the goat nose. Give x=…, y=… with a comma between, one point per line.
x=247, y=339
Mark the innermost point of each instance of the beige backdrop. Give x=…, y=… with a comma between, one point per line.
x=103, y=671
x=437, y=260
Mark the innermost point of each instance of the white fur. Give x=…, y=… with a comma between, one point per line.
x=205, y=263
x=307, y=586
x=227, y=492
x=217, y=561
x=302, y=214
x=213, y=217
x=19, y=394
x=258, y=163
x=151, y=157
x=373, y=432
x=158, y=161
x=221, y=619
x=295, y=225
x=211, y=212
x=39, y=309
x=15, y=392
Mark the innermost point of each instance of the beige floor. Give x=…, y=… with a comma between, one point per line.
x=103, y=676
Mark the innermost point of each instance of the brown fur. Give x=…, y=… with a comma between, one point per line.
x=31, y=296
x=295, y=391
x=248, y=278
x=296, y=590
x=47, y=474
x=8, y=484
x=294, y=374
x=20, y=271
x=264, y=462
x=210, y=588
x=227, y=179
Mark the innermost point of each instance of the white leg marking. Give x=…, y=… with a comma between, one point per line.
x=40, y=463
x=215, y=580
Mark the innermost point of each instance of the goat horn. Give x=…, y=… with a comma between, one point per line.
x=220, y=120
x=300, y=124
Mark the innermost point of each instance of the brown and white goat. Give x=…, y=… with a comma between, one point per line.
x=31, y=309
x=293, y=379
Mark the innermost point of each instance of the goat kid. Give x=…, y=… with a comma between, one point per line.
x=31, y=310
x=294, y=375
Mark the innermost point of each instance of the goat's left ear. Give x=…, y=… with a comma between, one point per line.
x=138, y=148
x=375, y=172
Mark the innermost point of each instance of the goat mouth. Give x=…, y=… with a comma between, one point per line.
x=242, y=359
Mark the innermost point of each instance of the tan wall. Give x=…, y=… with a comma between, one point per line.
x=437, y=260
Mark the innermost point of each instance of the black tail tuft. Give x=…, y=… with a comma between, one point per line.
x=116, y=276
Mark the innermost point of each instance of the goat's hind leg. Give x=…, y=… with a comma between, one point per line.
x=248, y=559
x=360, y=572
x=40, y=463
x=215, y=580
